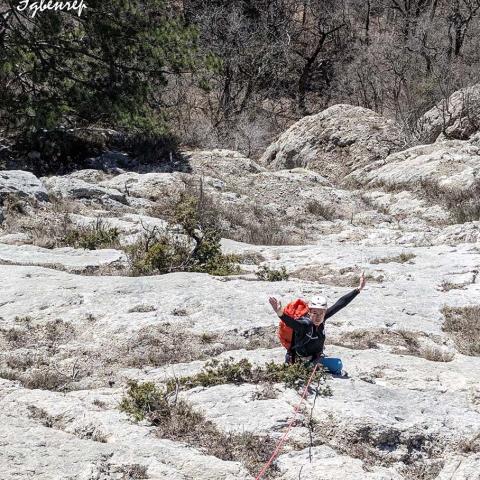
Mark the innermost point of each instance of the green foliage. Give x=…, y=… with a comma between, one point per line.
x=176, y=420
x=294, y=376
x=142, y=399
x=91, y=237
x=168, y=252
x=229, y=371
x=104, y=67
x=217, y=373
x=157, y=253
x=272, y=275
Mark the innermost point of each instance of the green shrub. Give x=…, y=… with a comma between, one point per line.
x=198, y=250
x=91, y=237
x=143, y=400
x=228, y=371
x=272, y=275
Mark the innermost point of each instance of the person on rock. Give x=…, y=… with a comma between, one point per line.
x=309, y=330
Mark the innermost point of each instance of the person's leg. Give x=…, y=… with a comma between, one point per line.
x=288, y=357
x=333, y=365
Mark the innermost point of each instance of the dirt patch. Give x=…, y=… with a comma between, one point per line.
x=405, y=342
x=463, y=325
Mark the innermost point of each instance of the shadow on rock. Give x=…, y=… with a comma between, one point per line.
x=62, y=151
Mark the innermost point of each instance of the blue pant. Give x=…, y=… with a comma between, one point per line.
x=333, y=365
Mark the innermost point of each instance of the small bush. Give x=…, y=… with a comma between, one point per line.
x=197, y=250
x=314, y=207
x=463, y=324
x=402, y=258
x=143, y=400
x=92, y=237
x=272, y=275
x=463, y=206
x=142, y=309
x=470, y=445
x=405, y=342
x=29, y=351
x=435, y=354
x=134, y=471
x=228, y=371
x=207, y=338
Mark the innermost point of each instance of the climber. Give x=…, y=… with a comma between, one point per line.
x=308, y=332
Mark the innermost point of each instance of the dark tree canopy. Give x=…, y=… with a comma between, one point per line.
x=231, y=74
x=106, y=67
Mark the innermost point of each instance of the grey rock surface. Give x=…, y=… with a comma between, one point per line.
x=66, y=258
x=75, y=188
x=23, y=184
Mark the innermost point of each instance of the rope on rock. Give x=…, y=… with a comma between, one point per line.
x=289, y=427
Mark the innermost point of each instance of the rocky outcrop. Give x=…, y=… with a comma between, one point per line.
x=453, y=164
x=150, y=186
x=22, y=184
x=457, y=117
x=335, y=142
x=461, y=467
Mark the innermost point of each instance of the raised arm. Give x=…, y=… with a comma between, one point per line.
x=346, y=299
x=296, y=325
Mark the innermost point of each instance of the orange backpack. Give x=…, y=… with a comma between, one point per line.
x=295, y=309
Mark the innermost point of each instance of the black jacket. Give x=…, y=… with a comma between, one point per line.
x=309, y=339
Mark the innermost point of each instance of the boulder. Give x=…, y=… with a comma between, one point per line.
x=23, y=184
x=457, y=117
x=151, y=186
x=75, y=188
x=335, y=142
x=221, y=164
x=15, y=238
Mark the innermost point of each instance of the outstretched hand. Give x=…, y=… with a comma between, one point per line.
x=276, y=304
x=362, y=281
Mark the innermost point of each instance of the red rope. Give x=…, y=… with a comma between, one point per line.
x=289, y=427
